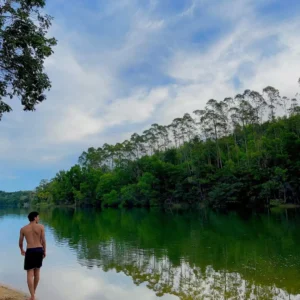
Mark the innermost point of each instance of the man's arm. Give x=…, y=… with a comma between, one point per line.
x=43, y=240
x=21, y=239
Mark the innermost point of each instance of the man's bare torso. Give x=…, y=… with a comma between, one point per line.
x=33, y=235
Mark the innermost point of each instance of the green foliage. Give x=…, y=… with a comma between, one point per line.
x=111, y=199
x=107, y=182
x=24, y=46
x=20, y=198
x=147, y=186
x=129, y=195
x=228, y=191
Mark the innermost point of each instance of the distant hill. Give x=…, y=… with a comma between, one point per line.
x=19, y=198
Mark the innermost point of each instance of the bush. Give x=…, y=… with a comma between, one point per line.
x=111, y=199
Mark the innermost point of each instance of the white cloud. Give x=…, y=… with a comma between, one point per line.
x=91, y=284
x=190, y=10
x=280, y=70
x=136, y=108
x=202, y=76
x=74, y=125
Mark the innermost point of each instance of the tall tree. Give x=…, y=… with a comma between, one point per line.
x=294, y=108
x=92, y=158
x=244, y=114
x=138, y=144
x=24, y=46
x=273, y=100
x=174, y=128
x=188, y=124
x=259, y=104
x=214, y=117
x=285, y=101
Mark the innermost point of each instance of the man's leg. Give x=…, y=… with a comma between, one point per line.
x=36, y=278
x=30, y=282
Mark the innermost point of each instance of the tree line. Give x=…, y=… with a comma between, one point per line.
x=242, y=150
x=20, y=198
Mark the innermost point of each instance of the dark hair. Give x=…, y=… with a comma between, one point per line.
x=32, y=215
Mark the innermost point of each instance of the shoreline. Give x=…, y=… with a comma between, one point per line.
x=9, y=293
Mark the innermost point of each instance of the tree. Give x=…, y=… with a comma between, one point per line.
x=244, y=113
x=174, y=127
x=259, y=104
x=294, y=108
x=274, y=100
x=138, y=145
x=188, y=126
x=146, y=187
x=150, y=139
x=214, y=118
x=23, y=50
x=111, y=199
x=92, y=158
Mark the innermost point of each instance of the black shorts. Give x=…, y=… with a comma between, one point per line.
x=33, y=258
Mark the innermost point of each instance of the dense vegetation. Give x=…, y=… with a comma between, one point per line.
x=20, y=198
x=24, y=46
x=235, y=151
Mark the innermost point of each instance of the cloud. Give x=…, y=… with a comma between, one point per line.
x=136, y=108
x=211, y=74
x=92, y=284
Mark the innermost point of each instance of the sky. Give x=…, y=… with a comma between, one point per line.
x=123, y=65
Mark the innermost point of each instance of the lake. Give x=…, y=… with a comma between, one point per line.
x=149, y=254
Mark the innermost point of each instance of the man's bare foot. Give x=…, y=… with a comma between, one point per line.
x=31, y=298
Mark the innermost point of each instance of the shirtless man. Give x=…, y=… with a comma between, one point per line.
x=34, y=234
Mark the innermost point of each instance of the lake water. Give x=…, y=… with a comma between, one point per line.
x=149, y=254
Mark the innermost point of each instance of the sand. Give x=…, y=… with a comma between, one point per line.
x=9, y=294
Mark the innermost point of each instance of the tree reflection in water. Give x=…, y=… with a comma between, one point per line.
x=196, y=255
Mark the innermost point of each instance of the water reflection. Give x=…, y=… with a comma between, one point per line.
x=201, y=255
x=192, y=256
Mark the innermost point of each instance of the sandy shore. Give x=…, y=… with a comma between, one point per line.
x=9, y=294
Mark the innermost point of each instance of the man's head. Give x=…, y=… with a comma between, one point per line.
x=34, y=217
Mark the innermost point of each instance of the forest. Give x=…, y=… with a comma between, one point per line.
x=19, y=198
x=241, y=151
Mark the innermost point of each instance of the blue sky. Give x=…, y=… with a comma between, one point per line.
x=122, y=65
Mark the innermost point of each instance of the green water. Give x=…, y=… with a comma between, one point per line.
x=141, y=254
